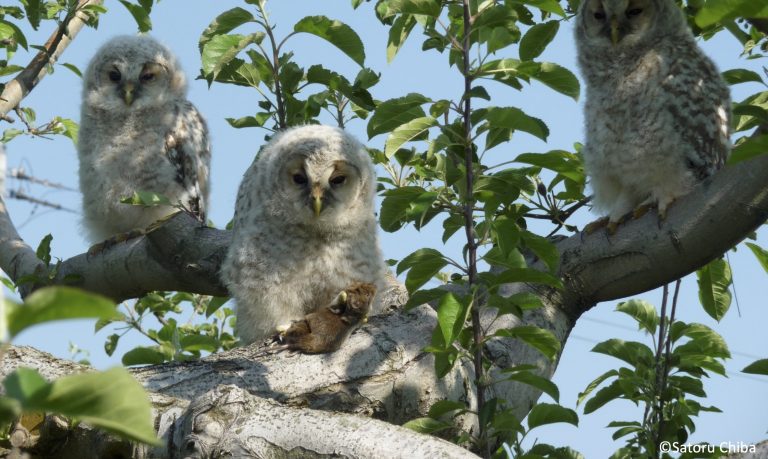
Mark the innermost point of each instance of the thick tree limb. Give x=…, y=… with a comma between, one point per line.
x=18, y=88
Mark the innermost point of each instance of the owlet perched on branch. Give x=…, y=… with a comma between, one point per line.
x=138, y=132
x=304, y=229
x=657, y=110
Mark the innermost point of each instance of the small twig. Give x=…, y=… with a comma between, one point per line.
x=18, y=88
x=21, y=196
x=21, y=174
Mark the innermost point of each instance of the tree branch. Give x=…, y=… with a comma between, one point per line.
x=18, y=88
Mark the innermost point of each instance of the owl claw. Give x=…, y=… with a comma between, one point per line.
x=595, y=225
x=101, y=247
x=641, y=210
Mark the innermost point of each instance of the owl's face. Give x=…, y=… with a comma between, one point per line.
x=132, y=73
x=321, y=177
x=617, y=23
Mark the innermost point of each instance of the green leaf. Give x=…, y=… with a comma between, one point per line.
x=422, y=265
x=140, y=15
x=643, y=312
x=714, y=295
x=43, y=251
x=608, y=393
x=593, y=385
x=542, y=340
x=547, y=413
x=249, y=121
x=543, y=248
x=396, y=206
x=396, y=112
x=111, y=400
x=199, y=343
x=760, y=253
x=558, y=78
x=11, y=30
x=222, y=49
x=537, y=38
x=758, y=367
x=549, y=6
x=58, y=303
x=748, y=149
x=515, y=119
x=567, y=164
x=416, y=129
x=10, y=70
x=426, y=7
x=738, y=76
x=715, y=11
x=335, y=32
x=444, y=407
x=451, y=316
x=144, y=356
x=427, y=425
x=539, y=382
x=631, y=352
x=214, y=304
x=33, y=8
x=398, y=33
x=225, y=23
x=146, y=198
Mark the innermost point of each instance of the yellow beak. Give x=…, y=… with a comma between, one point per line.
x=614, y=31
x=128, y=93
x=317, y=205
x=343, y=297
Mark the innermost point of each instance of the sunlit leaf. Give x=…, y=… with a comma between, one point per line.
x=643, y=312
x=111, y=400
x=714, y=281
x=537, y=38
x=58, y=303
x=422, y=265
x=758, y=367
x=547, y=413
x=335, y=32
x=415, y=129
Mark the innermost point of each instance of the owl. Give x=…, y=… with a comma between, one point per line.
x=138, y=132
x=657, y=110
x=304, y=229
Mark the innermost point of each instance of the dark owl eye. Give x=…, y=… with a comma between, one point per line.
x=114, y=75
x=147, y=77
x=338, y=180
x=634, y=12
x=299, y=179
x=599, y=15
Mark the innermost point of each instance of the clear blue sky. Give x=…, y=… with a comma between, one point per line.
x=179, y=23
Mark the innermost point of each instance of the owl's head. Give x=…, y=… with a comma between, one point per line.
x=615, y=24
x=132, y=73
x=320, y=177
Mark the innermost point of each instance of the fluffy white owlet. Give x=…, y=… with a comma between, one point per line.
x=138, y=132
x=304, y=229
x=657, y=110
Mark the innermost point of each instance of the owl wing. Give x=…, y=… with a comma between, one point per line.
x=188, y=149
x=701, y=107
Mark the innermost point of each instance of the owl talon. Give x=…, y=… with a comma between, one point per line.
x=641, y=210
x=101, y=247
x=595, y=225
x=611, y=228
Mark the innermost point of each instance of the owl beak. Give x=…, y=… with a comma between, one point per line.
x=127, y=91
x=614, y=30
x=317, y=201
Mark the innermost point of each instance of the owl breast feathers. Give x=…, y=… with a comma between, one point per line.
x=304, y=229
x=657, y=110
x=138, y=132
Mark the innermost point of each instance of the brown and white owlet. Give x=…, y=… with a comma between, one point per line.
x=326, y=328
x=657, y=110
x=304, y=229
x=138, y=132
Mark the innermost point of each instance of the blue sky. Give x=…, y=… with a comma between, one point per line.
x=179, y=23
